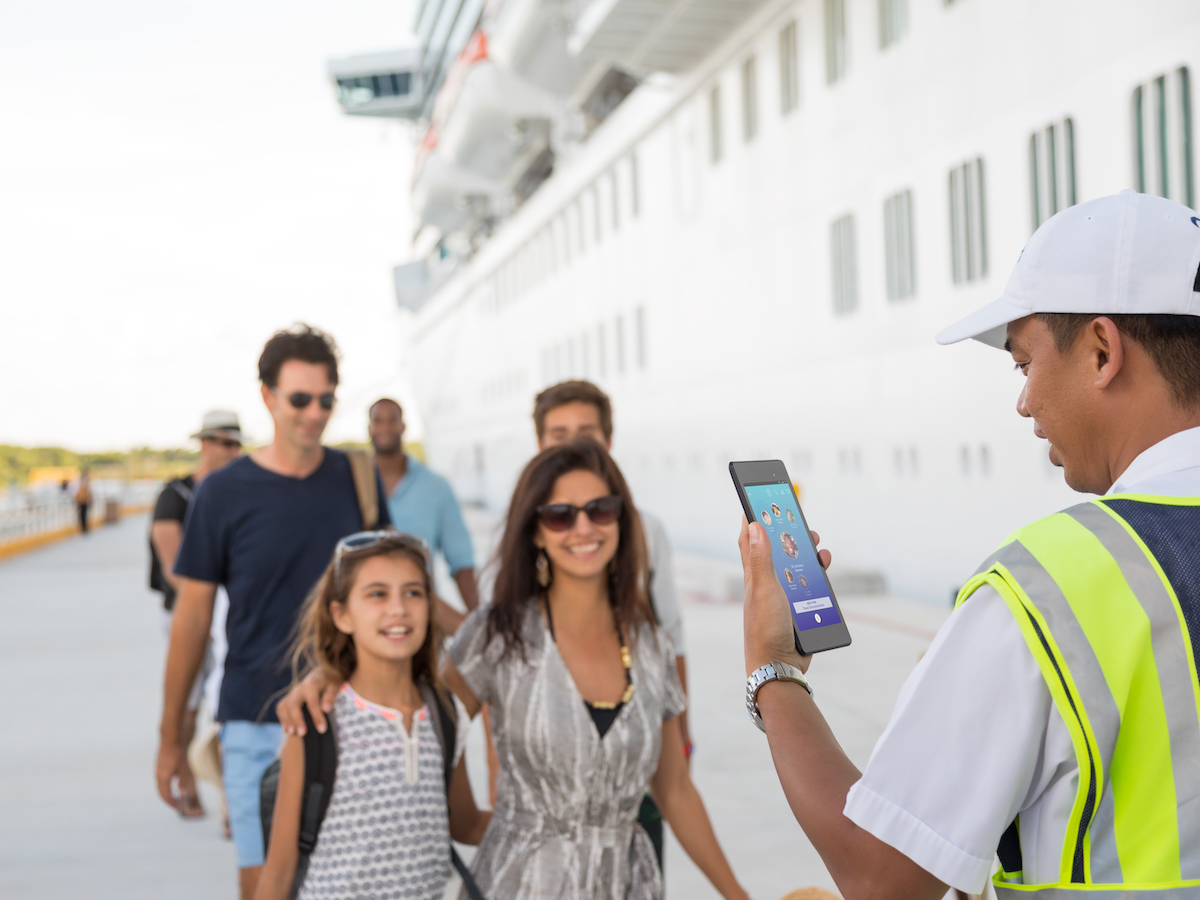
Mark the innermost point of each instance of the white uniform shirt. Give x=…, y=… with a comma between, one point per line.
x=976, y=738
x=662, y=580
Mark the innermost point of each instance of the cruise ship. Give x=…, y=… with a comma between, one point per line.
x=746, y=220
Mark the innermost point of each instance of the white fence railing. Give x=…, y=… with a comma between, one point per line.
x=27, y=512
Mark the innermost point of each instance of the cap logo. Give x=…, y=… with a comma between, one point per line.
x=1196, y=221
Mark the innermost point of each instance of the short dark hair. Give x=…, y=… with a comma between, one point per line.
x=371, y=408
x=572, y=392
x=302, y=342
x=1173, y=342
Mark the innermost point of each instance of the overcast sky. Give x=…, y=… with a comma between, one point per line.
x=177, y=182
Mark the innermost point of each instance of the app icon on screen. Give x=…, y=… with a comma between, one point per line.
x=775, y=511
x=766, y=517
x=790, y=516
x=803, y=581
x=790, y=577
x=790, y=547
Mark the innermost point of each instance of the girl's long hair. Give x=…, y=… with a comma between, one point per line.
x=320, y=645
x=516, y=559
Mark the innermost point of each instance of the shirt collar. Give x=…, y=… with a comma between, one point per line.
x=1173, y=454
x=412, y=473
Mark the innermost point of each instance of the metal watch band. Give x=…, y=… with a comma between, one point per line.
x=772, y=671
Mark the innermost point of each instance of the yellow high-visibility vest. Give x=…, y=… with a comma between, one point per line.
x=1107, y=595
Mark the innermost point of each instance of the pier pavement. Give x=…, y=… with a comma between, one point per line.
x=81, y=655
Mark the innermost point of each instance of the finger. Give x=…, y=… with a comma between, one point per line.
x=761, y=563
x=744, y=546
x=816, y=538
x=824, y=557
x=287, y=711
x=313, y=700
x=164, y=789
x=329, y=697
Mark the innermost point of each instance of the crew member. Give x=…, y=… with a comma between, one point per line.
x=1053, y=722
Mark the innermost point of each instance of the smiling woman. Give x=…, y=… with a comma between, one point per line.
x=583, y=695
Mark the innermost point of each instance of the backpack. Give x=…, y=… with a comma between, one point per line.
x=320, y=770
x=362, y=469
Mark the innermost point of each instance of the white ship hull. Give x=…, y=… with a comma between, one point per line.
x=912, y=460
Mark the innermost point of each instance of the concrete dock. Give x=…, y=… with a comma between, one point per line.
x=81, y=655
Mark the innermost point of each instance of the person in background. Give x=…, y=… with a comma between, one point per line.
x=83, y=500
x=264, y=527
x=570, y=410
x=220, y=437
x=422, y=503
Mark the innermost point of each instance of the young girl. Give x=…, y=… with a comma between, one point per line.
x=386, y=833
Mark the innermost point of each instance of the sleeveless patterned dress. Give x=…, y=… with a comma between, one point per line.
x=565, y=825
x=387, y=831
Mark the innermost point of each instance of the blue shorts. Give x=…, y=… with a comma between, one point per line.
x=248, y=749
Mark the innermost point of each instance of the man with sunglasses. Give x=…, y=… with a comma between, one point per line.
x=220, y=437
x=264, y=528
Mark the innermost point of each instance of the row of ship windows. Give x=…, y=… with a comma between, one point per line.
x=973, y=461
x=1163, y=160
x=1163, y=164
x=597, y=211
x=591, y=354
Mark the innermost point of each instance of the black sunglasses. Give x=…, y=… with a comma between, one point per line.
x=227, y=443
x=302, y=399
x=361, y=540
x=561, y=516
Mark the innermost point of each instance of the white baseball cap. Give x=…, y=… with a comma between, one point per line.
x=1127, y=254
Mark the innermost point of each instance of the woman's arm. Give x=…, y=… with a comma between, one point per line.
x=453, y=679
x=283, y=853
x=677, y=797
x=467, y=821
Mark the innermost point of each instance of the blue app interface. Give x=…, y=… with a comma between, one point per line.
x=796, y=564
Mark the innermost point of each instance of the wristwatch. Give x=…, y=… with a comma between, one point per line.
x=772, y=671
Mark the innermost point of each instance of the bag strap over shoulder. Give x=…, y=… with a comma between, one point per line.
x=362, y=467
x=320, y=769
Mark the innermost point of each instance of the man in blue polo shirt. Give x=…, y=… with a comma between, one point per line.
x=423, y=504
x=265, y=528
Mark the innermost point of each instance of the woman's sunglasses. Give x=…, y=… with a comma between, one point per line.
x=361, y=540
x=561, y=516
x=302, y=399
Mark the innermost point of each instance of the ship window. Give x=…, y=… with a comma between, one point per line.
x=584, y=353
x=615, y=182
x=749, y=99
x=1051, y=170
x=841, y=243
x=835, y=40
x=635, y=201
x=715, y=144
x=985, y=460
x=891, y=22
x=596, y=212
x=579, y=229
x=1162, y=126
x=789, y=69
x=898, y=241
x=619, y=335
x=639, y=320
x=968, y=222
x=601, y=350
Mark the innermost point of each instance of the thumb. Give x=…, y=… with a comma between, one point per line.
x=757, y=563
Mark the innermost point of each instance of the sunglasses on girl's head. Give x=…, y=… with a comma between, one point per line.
x=561, y=516
x=302, y=399
x=361, y=540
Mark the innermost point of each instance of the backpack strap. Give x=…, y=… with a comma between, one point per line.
x=362, y=468
x=182, y=490
x=445, y=726
x=320, y=769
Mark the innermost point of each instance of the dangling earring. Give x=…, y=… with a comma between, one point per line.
x=543, y=569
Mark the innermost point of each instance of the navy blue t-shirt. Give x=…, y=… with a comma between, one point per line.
x=267, y=538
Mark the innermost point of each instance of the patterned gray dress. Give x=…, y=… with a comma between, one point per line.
x=565, y=824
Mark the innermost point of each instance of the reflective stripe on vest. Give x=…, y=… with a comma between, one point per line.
x=1105, y=623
